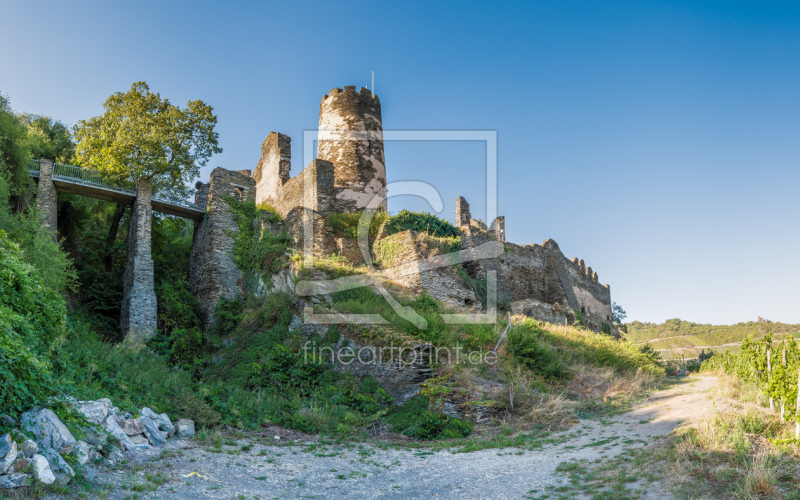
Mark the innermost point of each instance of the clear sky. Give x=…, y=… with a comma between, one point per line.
x=658, y=141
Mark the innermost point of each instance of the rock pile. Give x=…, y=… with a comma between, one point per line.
x=43, y=449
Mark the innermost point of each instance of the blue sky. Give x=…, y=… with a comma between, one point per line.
x=658, y=141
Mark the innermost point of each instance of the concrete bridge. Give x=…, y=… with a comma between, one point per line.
x=139, y=308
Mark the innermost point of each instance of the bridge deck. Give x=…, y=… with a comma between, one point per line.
x=90, y=183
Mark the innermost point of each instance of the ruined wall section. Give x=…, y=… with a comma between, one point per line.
x=536, y=280
x=351, y=137
x=593, y=298
x=313, y=188
x=402, y=256
x=273, y=169
x=212, y=272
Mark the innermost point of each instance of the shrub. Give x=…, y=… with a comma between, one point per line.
x=31, y=322
x=420, y=222
x=526, y=345
x=346, y=224
x=413, y=419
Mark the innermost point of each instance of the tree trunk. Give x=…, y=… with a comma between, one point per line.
x=119, y=211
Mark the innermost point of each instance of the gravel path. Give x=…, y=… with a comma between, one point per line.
x=189, y=471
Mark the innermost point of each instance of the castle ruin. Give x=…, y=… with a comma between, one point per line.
x=350, y=170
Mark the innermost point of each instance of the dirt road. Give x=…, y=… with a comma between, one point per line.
x=189, y=471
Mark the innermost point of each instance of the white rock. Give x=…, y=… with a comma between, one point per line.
x=49, y=430
x=59, y=466
x=82, y=452
x=14, y=481
x=140, y=439
x=184, y=427
x=111, y=426
x=9, y=458
x=115, y=455
x=41, y=469
x=155, y=436
x=94, y=411
x=162, y=421
x=5, y=444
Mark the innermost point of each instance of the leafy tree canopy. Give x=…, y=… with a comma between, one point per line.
x=142, y=135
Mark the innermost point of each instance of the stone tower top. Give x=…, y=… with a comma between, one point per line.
x=351, y=137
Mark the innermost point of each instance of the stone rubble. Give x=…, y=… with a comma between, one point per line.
x=43, y=459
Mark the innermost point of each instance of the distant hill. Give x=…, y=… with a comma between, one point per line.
x=675, y=337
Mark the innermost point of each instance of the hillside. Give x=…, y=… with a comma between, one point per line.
x=675, y=337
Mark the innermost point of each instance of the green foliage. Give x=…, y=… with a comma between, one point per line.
x=133, y=379
x=688, y=334
x=605, y=328
x=284, y=369
x=53, y=269
x=346, y=224
x=601, y=350
x=14, y=152
x=579, y=319
x=227, y=316
x=750, y=365
x=258, y=254
x=420, y=222
x=415, y=420
x=48, y=138
x=526, y=346
x=32, y=319
x=141, y=135
x=618, y=314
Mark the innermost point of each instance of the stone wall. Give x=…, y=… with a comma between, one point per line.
x=212, y=272
x=536, y=279
x=351, y=137
x=312, y=188
x=47, y=198
x=403, y=255
x=273, y=169
x=139, y=308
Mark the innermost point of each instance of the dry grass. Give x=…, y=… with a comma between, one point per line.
x=760, y=478
x=730, y=387
x=607, y=384
x=529, y=407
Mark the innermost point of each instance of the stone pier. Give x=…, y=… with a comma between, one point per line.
x=46, y=197
x=138, y=318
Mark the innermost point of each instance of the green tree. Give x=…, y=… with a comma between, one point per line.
x=13, y=155
x=143, y=136
x=48, y=138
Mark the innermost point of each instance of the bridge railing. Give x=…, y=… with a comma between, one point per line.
x=178, y=199
x=33, y=167
x=86, y=176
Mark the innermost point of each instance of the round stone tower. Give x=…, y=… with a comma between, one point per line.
x=351, y=137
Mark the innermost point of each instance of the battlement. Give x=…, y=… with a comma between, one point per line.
x=349, y=97
x=350, y=90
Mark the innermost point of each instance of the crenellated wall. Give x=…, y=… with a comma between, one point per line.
x=536, y=279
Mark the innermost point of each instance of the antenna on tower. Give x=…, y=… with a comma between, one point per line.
x=373, y=82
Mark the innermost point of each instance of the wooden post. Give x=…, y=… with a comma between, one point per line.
x=797, y=409
x=769, y=376
x=783, y=364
